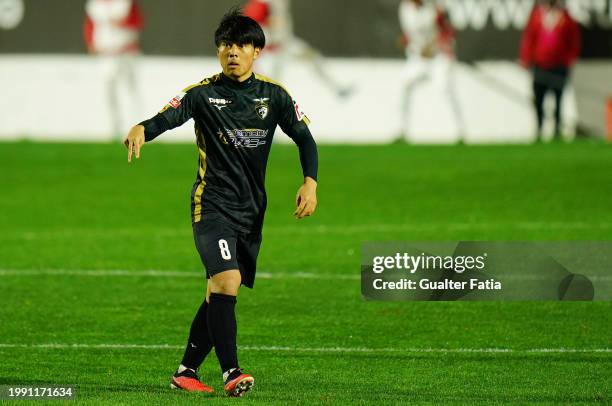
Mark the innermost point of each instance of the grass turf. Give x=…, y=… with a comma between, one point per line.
x=81, y=207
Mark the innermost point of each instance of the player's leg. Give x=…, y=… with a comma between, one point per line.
x=222, y=317
x=558, y=92
x=227, y=284
x=198, y=347
x=215, y=242
x=414, y=72
x=223, y=330
x=443, y=78
x=125, y=94
x=199, y=343
x=133, y=99
x=299, y=48
x=560, y=80
x=539, y=92
x=225, y=280
x=110, y=73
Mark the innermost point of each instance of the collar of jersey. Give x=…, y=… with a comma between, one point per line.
x=238, y=85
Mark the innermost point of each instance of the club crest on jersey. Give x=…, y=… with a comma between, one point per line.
x=176, y=100
x=261, y=107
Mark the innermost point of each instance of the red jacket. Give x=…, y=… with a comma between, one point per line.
x=559, y=47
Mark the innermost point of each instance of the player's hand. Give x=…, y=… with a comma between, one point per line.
x=135, y=140
x=306, y=199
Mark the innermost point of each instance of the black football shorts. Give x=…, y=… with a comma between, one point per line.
x=222, y=248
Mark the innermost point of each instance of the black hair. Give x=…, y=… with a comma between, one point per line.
x=236, y=28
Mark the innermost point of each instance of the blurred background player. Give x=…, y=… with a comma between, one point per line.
x=550, y=46
x=112, y=31
x=429, y=41
x=274, y=16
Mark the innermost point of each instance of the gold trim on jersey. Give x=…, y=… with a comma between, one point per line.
x=268, y=80
x=203, y=82
x=274, y=82
x=197, y=197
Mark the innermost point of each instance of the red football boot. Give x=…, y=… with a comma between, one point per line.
x=237, y=383
x=189, y=381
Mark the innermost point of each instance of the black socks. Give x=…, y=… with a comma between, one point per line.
x=200, y=343
x=222, y=327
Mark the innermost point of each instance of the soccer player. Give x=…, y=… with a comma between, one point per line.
x=274, y=16
x=112, y=32
x=236, y=113
x=429, y=44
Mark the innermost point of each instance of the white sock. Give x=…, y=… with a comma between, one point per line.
x=226, y=373
x=182, y=368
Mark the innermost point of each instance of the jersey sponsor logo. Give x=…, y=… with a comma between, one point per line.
x=298, y=112
x=219, y=103
x=175, y=102
x=243, y=138
x=262, y=108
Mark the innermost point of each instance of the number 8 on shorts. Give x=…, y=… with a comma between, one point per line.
x=225, y=251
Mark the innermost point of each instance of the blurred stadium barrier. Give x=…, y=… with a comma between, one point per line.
x=593, y=86
x=55, y=97
x=55, y=91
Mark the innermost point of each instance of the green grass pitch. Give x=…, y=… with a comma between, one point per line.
x=80, y=229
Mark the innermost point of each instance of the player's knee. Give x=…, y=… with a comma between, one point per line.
x=227, y=282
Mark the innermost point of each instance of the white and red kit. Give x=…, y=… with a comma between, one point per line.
x=282, y=45
x=112, y=32
x=429, y=45
x=425, y=30
x=112, y=26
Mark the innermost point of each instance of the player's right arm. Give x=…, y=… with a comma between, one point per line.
x=175, y=113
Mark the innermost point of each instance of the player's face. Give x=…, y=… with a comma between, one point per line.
x=237, y=60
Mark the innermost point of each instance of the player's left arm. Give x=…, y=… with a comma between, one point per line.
x=306, y=197
x=295, y=124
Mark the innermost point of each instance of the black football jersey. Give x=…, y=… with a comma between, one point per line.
x=234, y=127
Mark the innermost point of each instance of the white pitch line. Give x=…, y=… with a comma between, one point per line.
x=324, y=229
x=167, y=274
x=261, y=275
x=100, y=272
x=320, y=349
